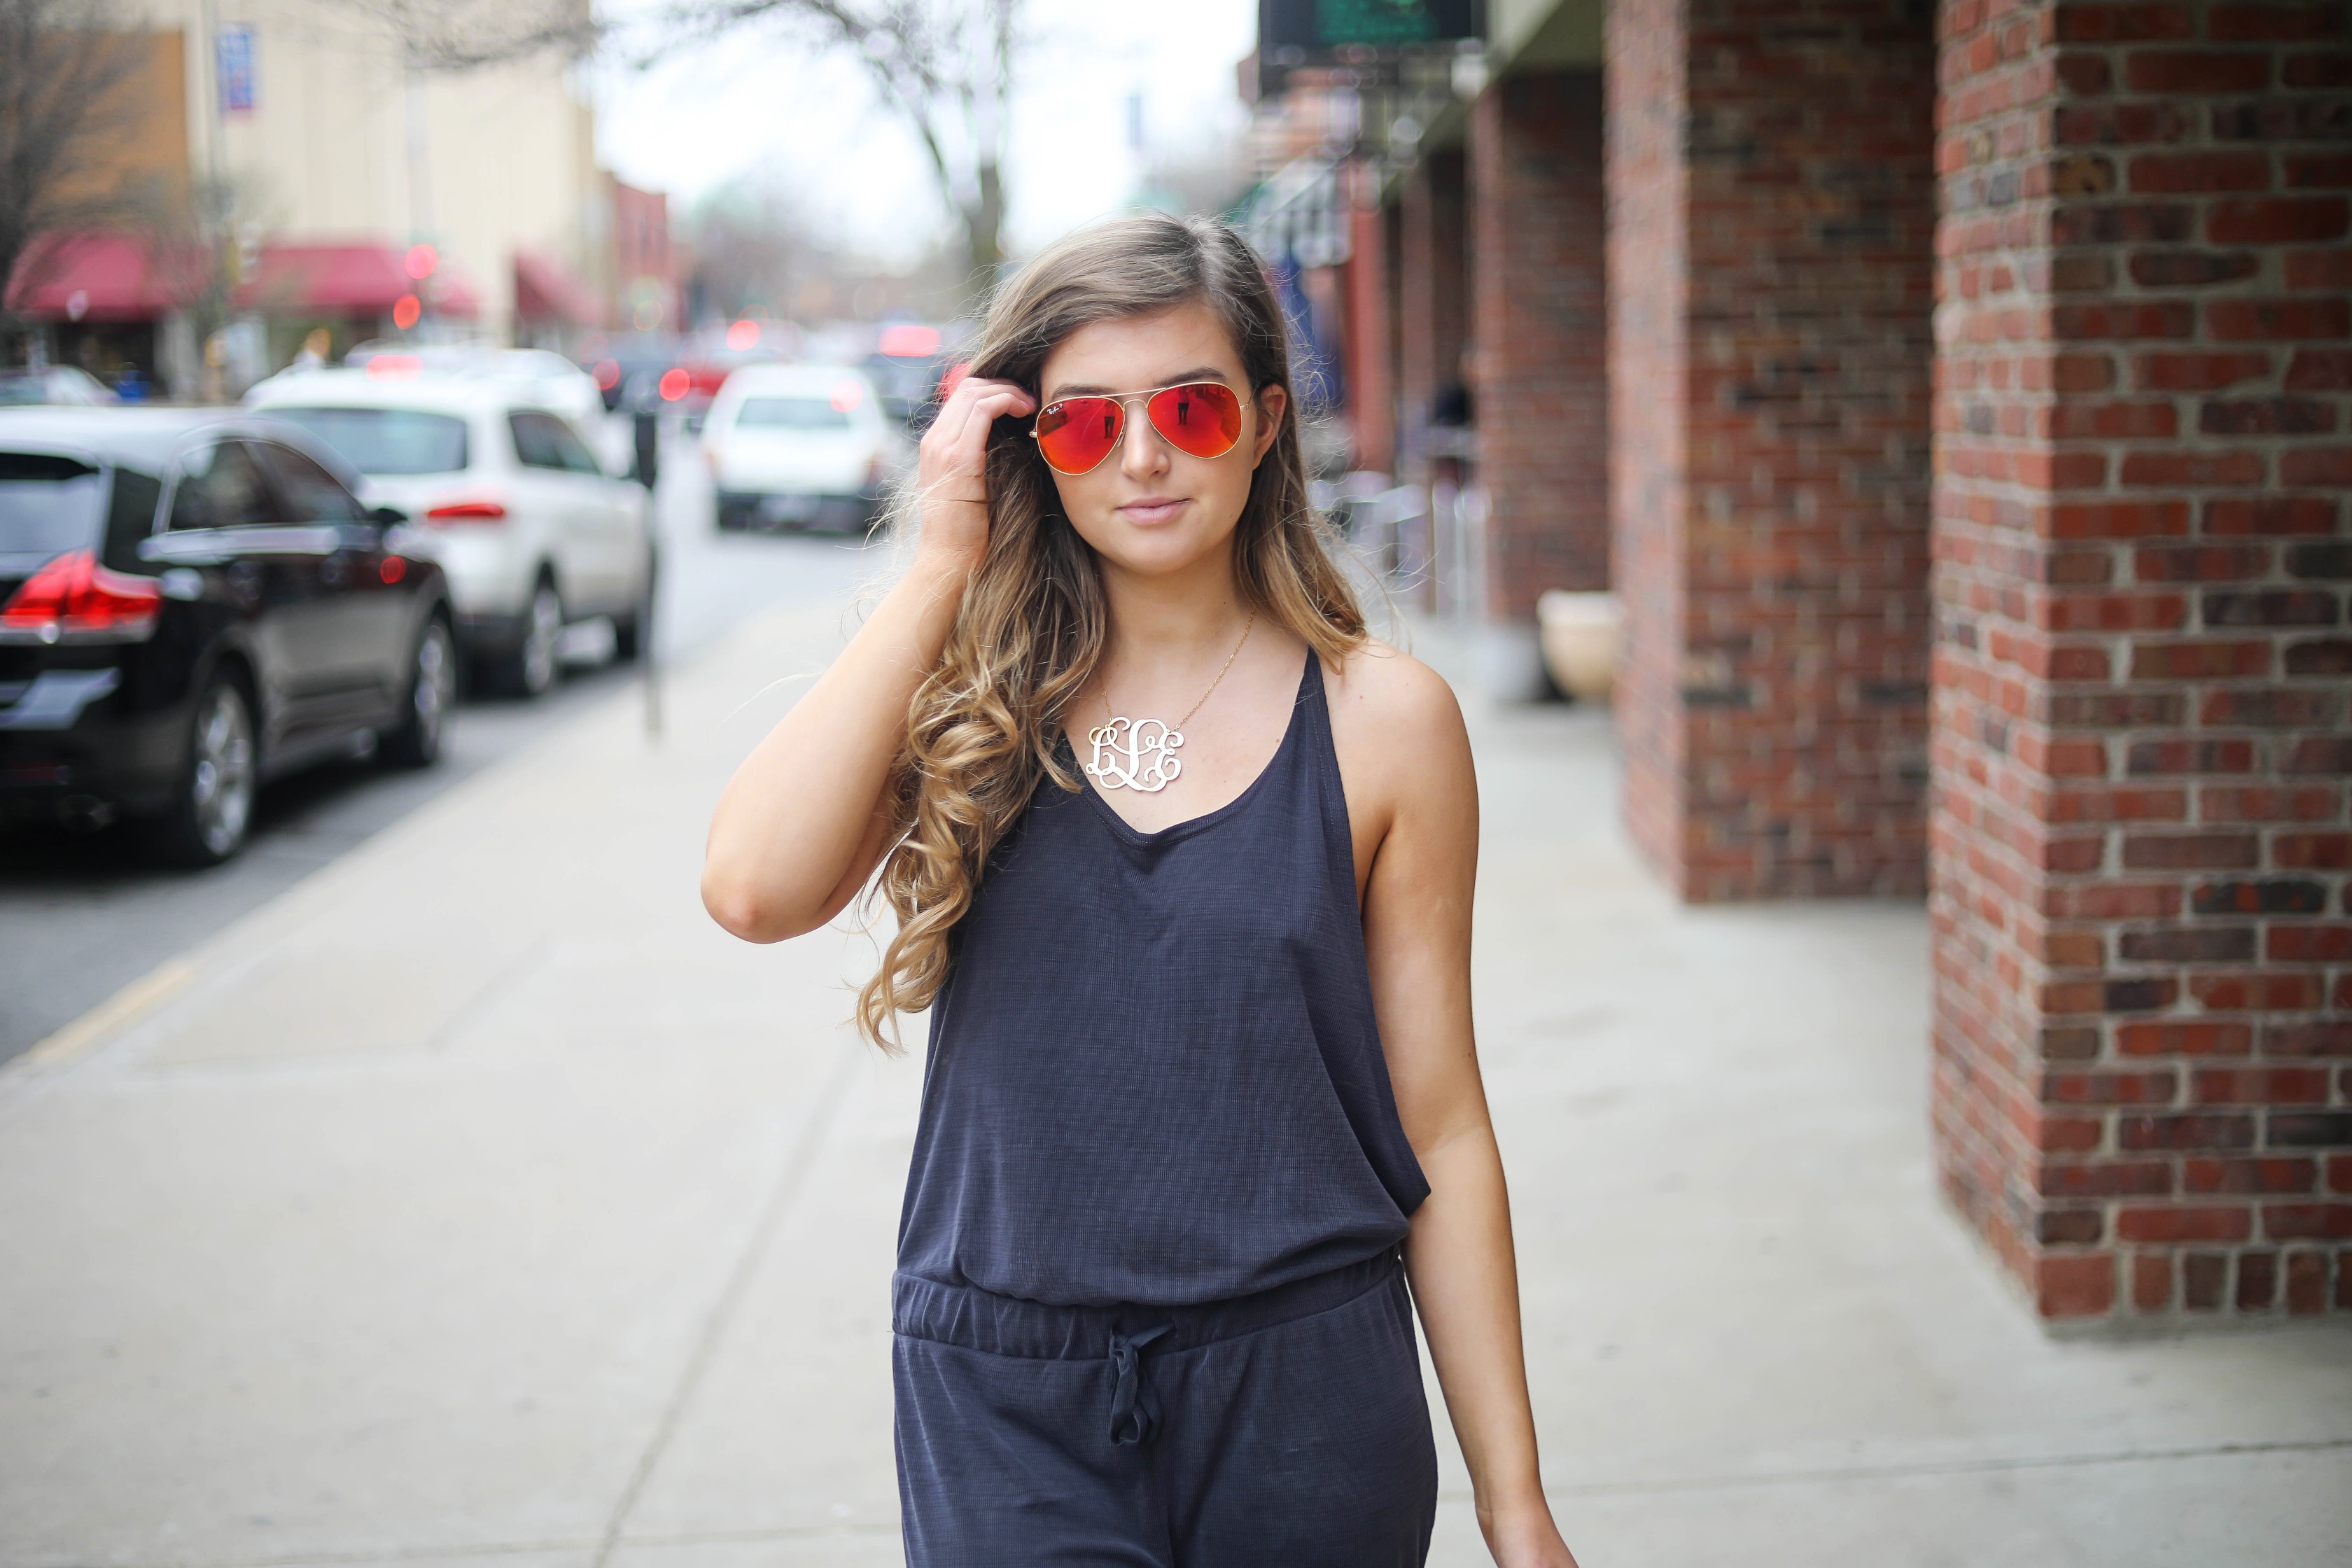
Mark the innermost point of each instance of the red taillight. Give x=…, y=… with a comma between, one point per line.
x=479, y=509
x=675, y=384
x=74, y=599
x=909, y=340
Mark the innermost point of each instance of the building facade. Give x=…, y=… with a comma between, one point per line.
x=1958, y=400
x=362, y=195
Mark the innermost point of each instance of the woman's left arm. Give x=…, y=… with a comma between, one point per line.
x=1416, y=911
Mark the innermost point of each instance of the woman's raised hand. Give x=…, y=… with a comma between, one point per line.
x=952, y=468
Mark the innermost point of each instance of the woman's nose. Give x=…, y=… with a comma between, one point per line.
x=1139, y=445
x=1141, y=453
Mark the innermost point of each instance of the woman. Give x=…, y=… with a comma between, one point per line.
x=1182, y=862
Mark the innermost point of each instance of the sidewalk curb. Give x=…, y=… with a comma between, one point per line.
x=118, y=1012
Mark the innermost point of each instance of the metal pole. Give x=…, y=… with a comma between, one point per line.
x=647, y=429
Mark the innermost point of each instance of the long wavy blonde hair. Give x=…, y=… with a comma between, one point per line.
x=983, y=726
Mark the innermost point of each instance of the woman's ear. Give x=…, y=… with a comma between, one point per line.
x=1272, y=399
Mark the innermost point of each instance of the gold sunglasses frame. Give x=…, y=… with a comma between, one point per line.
x=1123, y=399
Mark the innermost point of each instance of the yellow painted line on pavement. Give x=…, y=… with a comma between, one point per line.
x=119, y=1011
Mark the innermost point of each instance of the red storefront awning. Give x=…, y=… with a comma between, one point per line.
x=100, y=278
x=358, y=278
x=544, y=292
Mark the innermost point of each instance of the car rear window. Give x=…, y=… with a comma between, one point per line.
x=48, y=504
x=790, y=413
x=386, y=440
x=543, y=441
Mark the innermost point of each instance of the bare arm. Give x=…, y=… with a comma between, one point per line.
x=802, y=826
x=1459, y=1255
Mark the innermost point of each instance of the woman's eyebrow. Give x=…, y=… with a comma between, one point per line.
x=1198, y=373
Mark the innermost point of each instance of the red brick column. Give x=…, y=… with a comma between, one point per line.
x=2143, y=1010
x=1649, y=449
x=1432, y=304
x=1538, y=320
x=1771, y=206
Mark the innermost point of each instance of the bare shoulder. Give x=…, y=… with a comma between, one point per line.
x=1385, y=694
x=1398, y=729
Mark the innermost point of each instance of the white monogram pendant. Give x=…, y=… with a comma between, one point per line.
x=1134, y=753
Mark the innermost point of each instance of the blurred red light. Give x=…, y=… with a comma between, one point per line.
x=675, y=384
x=405, y=310
x=846, y=395
x=468, y=512
x=394, y=367
x=393, y=570
x=743, y=336
x=422, y=260
x=910, y=340
x=953, y=378
x=608, y=373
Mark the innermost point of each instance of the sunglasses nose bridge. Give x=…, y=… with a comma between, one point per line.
x=1142, y=448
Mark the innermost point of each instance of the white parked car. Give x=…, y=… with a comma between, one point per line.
x=801, y=446
x=533, y=531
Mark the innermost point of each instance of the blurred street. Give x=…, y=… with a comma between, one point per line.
x=87, y=914
x=476, y=1200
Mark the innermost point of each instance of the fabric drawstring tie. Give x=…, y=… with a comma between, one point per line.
x=1134, y=1403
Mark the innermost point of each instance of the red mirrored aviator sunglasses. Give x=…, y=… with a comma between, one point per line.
x=1201, y=417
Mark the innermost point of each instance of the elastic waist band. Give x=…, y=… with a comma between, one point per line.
x=981, y=1320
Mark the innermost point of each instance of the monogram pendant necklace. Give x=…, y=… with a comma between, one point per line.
x=1141, y=753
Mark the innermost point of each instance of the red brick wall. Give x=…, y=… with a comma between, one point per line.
x=1540, y=322
x=2143, y=960
x=1785, y=515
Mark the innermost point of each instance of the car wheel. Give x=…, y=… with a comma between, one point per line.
x=214, y=806
x=533, y=667
x=415, y=741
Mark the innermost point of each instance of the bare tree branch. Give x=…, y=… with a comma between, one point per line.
x=944, y=67
x=66, y=115
x=451, y=36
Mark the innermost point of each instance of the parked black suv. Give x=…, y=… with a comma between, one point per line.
x=192, y=602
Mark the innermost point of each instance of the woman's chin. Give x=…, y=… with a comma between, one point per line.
x=1162, y=554
x=1158, y=549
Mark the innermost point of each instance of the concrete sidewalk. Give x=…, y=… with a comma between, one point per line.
x=480, y=1203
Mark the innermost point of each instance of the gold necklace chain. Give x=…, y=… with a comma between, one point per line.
x=1247, y=626
x=1141, y=753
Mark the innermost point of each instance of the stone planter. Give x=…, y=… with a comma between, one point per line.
x=1579, y=642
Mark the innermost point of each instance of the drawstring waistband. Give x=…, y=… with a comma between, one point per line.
x=978, y=1319
x=1134, y=1403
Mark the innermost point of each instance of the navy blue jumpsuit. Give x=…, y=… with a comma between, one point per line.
x=1148, y=1306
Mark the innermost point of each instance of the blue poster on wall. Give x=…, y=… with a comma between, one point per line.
x=233, y=68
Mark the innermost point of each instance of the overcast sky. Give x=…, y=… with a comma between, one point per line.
x=757, y=105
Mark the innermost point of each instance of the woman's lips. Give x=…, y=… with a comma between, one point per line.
x=1151, y=509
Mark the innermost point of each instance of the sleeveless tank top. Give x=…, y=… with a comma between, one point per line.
x=1154, y=1076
